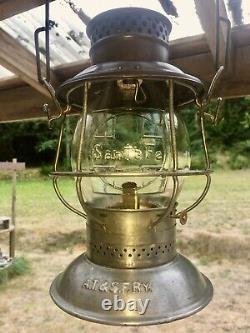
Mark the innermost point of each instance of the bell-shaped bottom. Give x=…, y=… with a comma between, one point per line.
x=144, y=296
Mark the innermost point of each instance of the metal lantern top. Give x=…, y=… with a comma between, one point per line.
x=115, y=35
x=130, y=43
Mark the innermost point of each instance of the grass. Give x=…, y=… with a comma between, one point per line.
x=19, y=266
x=226, y=207
x=42, y=221
x=36, y=197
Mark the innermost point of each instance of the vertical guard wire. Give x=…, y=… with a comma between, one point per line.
x=55, y=178
x=183, y=213
x=79, y=150
x=173, y=144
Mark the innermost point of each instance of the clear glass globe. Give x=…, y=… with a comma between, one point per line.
x=131, y=143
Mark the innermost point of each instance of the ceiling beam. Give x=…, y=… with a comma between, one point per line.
x=21, y=103
x=11, y=82
x=66, y=71
x=10, y=8
x=235, y=83
x=206, y=10
x=179, y=48
x=24, y=103
x=20, y=61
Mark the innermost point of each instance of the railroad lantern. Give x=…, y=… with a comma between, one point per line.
x=130, y=155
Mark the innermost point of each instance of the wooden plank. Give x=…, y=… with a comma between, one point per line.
x=12, y=239
x=11, y=228
x=12, y=166
x=21, y=62
x=179, y=48
x=25, y=103
x=235, y=83
x=21, y=103
x=10, y=8
x=188, y=46
x=206, y=10
x=241, y=35
x=11, y=82
x=4, y=221
x=65, y=71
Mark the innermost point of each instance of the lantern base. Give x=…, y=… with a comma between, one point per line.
x=144, y=296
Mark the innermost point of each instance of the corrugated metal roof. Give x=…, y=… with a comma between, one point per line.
x=68, y=38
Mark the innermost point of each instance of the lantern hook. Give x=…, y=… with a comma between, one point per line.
x=203, y=102
x=45, y=80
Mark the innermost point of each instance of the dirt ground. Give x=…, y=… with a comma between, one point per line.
x=216, y=239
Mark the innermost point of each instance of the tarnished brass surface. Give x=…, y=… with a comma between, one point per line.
x=168, y=292
x=130, y=196
x=128, y=239
x=187, y=87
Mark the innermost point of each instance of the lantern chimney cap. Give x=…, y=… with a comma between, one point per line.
x=129, y=34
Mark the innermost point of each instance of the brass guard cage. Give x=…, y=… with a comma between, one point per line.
x=201, y=102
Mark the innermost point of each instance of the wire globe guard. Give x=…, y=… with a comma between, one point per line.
x=168, y=292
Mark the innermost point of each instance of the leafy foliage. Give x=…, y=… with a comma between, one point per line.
x=35, y=144
x=26, y=141
x=230, y=138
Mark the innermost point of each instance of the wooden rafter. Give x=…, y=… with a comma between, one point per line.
x=11, y=82
x=10, y=8
x=21, y=62
x=21, y=103
x=206, y=10
x=191, y=54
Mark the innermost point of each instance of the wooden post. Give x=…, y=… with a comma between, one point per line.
x=13, y=211
x=206, y=10
x=14, y=166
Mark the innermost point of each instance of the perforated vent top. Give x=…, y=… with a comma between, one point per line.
x=129, y=21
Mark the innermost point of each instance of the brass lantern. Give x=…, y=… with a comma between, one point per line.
x=130, y=155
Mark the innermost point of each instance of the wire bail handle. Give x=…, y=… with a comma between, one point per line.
x=45, y=79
